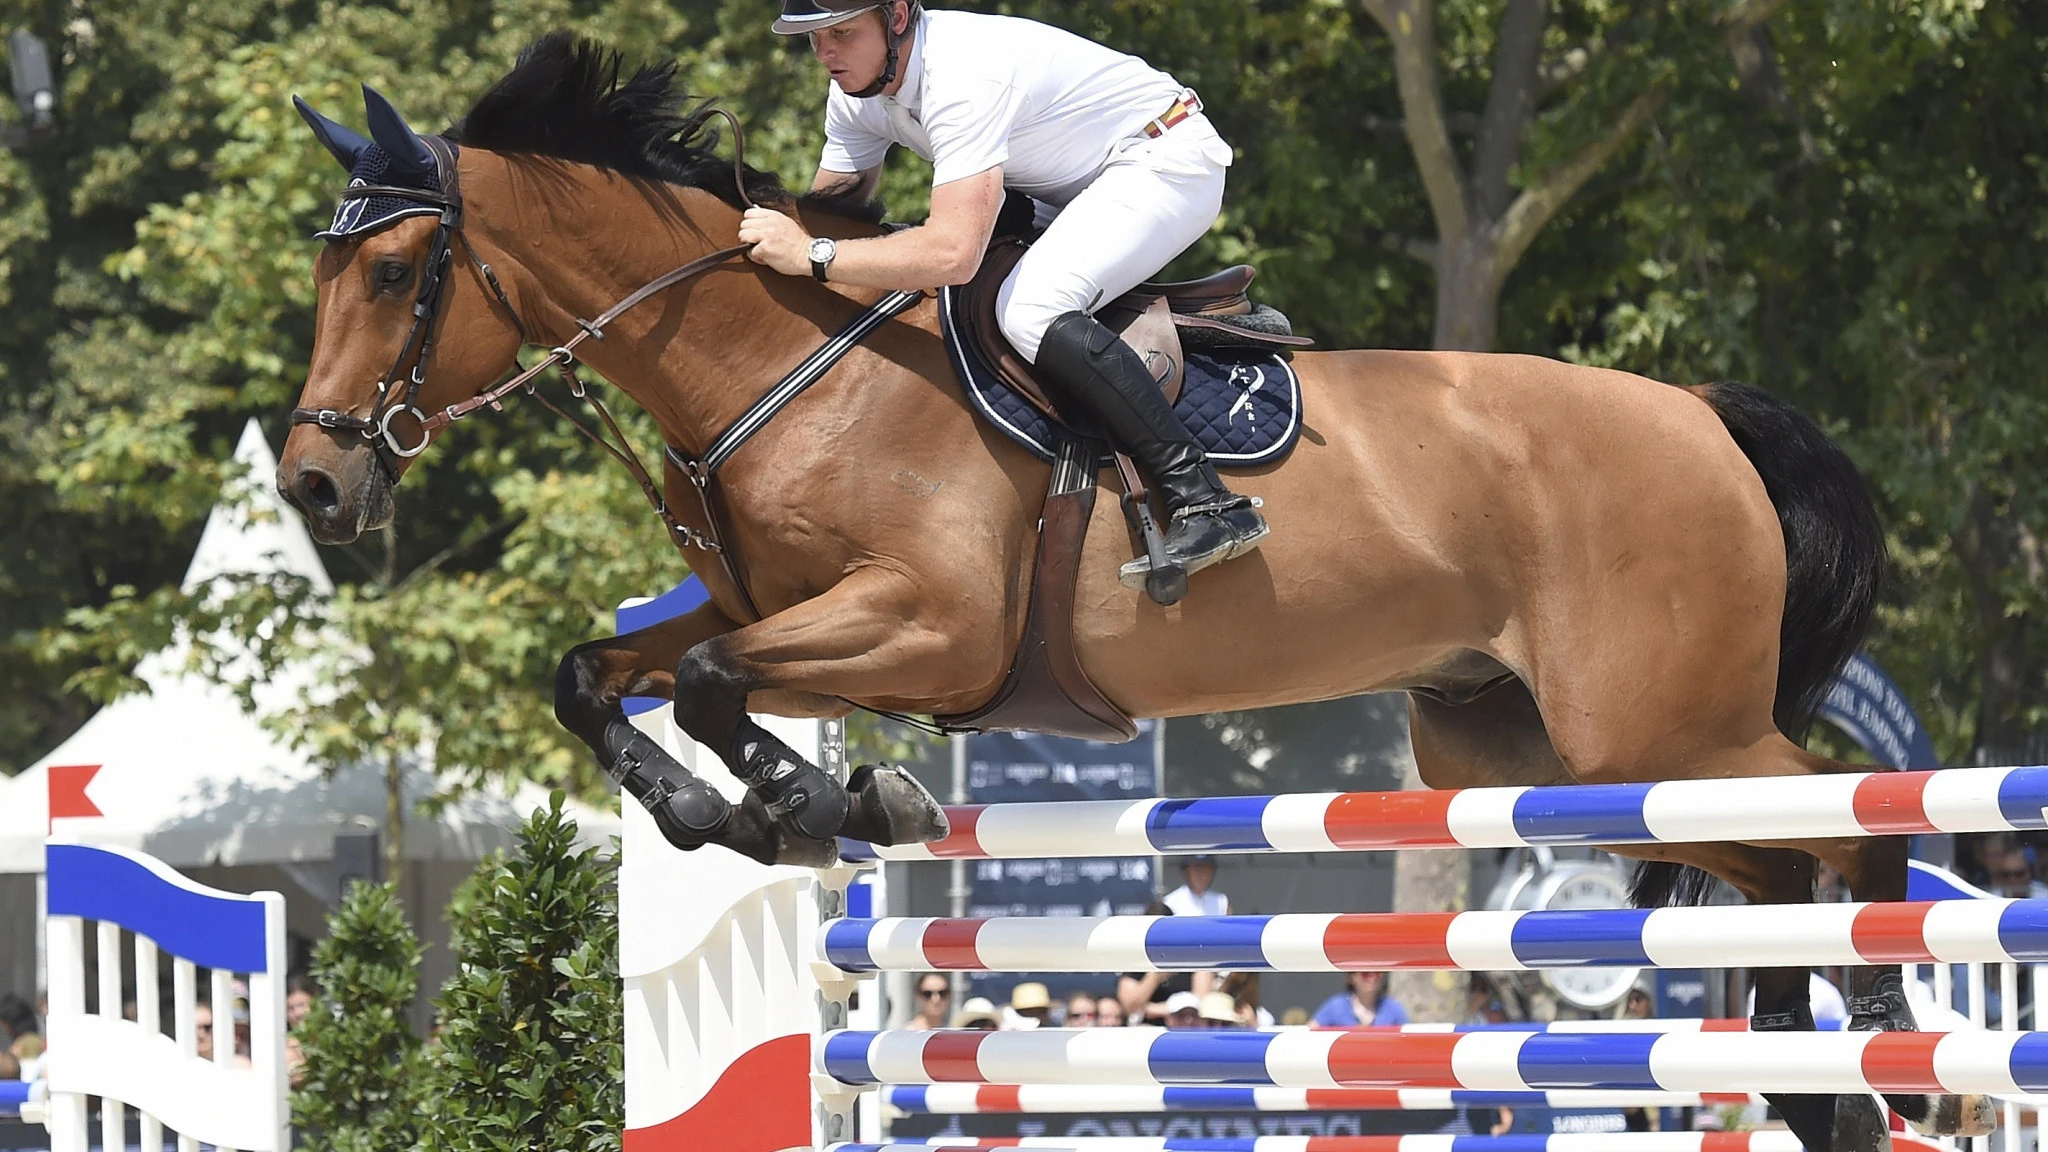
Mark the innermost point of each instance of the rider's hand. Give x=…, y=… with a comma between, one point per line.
x=778, y=241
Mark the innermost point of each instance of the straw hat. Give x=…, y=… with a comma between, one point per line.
x=1030, y=995
x=1220, y=1007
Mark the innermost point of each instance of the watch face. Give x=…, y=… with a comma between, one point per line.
x=822, y=249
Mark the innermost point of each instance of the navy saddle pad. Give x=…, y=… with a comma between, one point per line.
x=1243, y=405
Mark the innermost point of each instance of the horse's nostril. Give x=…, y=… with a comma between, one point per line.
x=317, y=491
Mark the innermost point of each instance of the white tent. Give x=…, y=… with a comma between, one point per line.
x=186, y=775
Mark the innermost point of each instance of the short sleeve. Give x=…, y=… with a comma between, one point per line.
x=851, y=145
x=969, y=128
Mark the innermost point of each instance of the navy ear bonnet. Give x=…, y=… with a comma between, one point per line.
x=393, y=156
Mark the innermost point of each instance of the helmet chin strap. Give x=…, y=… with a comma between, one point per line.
x=895, y=41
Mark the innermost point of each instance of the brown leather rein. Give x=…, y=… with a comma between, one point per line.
x=419, y=347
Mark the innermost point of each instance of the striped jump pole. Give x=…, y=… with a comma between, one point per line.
x=1564, y=1142
x=1009, y=1099
x=1670, y=812
x=1938, y=931
x=2003, y=1063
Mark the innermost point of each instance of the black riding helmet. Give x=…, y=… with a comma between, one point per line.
x=801, y=17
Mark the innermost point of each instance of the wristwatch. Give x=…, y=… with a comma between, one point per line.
x=823, y=249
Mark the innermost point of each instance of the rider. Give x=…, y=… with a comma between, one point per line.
x=1115, y=153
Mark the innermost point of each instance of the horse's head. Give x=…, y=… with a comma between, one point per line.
x=406, y=324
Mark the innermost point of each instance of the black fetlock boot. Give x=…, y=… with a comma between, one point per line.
x=1208, y=522
x=688, y=810
x=796, y=792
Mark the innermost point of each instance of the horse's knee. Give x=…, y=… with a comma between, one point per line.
x=580, y=696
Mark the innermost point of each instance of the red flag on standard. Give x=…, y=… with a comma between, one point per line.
x=67, y=791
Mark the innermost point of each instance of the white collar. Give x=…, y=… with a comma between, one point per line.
x=910, y=94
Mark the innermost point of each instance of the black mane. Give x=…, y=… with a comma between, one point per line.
x=564, y=99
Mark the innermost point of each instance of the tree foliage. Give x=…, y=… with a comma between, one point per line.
x=361, y=1085
x=1839, y=201
x=530, y=1052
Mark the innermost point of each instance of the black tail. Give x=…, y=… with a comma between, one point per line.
x=1834, y=570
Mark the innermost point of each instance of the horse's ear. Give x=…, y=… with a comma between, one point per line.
x=343, y=142
x=407, y=151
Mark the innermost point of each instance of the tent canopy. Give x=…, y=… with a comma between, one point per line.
x=188, y=777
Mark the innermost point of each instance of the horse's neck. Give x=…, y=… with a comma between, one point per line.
x=692, y=355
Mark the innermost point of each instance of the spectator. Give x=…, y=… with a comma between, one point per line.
x=1080, y=1011
x=2010, y=865
x=1109, y=1012
x=1030, y=1007
x=301, y=992
x=934, y=1001
x=18, y=1018
x=202, y=1026
x=1244, y=992
x=1295, y=1017
x=977, y=1015
x=1144, y=994
x=1183, y=1010
x=1365, y=1001
x=1197, y=895
x=1218, y=1010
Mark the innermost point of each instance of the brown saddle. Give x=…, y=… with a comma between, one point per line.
x=1149, y=318
x=1047, y=690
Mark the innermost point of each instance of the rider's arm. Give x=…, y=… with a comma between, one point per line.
x=945, y=249
x=857, y=186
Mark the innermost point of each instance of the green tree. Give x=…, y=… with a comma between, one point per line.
x=531, y=1048
x=360, y=1084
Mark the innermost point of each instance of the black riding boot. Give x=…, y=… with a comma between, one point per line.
x=1096, y=369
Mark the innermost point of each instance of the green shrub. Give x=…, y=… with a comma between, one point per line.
x=360, y=1087
x=530, y=1056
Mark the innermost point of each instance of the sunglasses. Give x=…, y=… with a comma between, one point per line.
x=933, y=993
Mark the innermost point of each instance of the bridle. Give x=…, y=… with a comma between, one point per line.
x=394, y=402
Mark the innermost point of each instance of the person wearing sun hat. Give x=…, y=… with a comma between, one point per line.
x=978, y=1014
x=1030, y=1007
x=1183, y=1010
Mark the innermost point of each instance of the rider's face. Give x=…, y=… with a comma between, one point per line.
x=856, y=51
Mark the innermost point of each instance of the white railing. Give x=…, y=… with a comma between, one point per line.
x=94, y=1050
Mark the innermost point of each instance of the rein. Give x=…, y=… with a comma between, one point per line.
x=419, y=347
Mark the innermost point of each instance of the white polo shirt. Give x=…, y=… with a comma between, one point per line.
x=978, y=91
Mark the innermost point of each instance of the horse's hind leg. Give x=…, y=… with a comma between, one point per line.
x=863, y=637
x=590, y=686
x=1875, y=868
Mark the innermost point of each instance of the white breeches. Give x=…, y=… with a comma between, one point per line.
x=1155, y=198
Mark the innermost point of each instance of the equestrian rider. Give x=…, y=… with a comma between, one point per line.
x=1116, y=156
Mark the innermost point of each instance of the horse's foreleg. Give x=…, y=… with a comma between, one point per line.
x=590, y=686
x=861, y=637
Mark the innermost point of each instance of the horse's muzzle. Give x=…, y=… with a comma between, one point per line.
x=338, y=508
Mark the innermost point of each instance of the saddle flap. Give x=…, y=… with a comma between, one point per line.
x=1145, y=324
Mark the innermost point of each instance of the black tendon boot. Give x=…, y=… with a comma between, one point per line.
x=689, y=811
x=796, y=791
x=1097, y=370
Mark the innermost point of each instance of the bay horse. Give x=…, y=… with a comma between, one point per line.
x=1577, y=575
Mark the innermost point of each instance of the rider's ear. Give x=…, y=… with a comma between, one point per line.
x=899, y=16
x=342, y=142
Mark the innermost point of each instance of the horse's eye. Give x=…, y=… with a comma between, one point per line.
x=391, y=273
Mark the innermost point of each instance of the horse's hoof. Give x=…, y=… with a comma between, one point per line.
x=891, y=807
x=1957, y=1116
